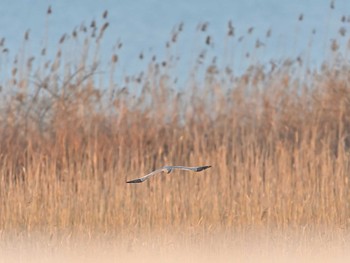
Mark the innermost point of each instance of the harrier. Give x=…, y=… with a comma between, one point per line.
x=168, y=169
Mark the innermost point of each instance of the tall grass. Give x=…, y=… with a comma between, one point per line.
x=278, y=143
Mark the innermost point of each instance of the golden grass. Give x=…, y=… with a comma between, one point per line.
x=278, y=142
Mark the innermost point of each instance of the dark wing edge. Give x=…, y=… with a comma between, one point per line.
x=135, y=181
x=144, y=178
x=201, y=168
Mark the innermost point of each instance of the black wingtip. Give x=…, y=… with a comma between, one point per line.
x=136, y=181
x=203, y=168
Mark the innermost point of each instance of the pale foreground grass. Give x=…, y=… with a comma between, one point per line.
x=256, y=246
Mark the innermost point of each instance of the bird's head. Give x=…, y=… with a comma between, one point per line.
x=169, y=169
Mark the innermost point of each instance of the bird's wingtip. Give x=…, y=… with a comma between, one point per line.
x=134, y=181
x=201, y=168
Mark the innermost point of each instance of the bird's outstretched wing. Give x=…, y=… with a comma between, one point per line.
x=168, y=169
x=195, y=168
x=147, y=176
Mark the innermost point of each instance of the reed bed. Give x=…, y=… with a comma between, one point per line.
x=277, y=139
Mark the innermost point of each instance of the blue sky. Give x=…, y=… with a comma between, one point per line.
x=146, y=25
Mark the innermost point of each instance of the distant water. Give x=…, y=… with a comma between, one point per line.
x=297, y=28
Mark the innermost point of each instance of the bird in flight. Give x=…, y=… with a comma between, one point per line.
x=168, y=169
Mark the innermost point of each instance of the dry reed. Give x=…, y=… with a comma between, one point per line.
x=278, y=143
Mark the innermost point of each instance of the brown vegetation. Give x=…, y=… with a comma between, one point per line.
x=278, y=143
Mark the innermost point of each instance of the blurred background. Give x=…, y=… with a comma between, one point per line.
x=299, y=28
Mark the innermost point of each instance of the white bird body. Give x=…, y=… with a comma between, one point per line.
x=168, y=169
